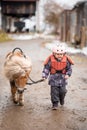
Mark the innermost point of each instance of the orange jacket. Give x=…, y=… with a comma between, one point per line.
x=58, y=65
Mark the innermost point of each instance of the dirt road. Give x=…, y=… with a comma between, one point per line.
x=36, y=114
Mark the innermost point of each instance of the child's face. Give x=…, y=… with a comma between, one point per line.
x=59, y=55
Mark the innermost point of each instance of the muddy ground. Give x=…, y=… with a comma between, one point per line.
x=36, y=114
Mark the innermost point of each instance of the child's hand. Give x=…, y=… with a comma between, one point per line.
x=44, y=78
x=66, y=76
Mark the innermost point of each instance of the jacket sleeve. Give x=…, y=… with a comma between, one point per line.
x=46, y=70
x=69, y=68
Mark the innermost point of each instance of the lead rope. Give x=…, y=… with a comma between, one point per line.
x=35, y=82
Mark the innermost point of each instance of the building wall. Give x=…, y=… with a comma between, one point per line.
x=74, y=25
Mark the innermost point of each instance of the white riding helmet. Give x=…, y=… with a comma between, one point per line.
x=59, y=49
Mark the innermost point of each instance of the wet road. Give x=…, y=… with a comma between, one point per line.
x=36, y=114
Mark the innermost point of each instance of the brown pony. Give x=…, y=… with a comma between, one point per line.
x=17, y=68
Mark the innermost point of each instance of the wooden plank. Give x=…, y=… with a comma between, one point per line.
x=83, y=37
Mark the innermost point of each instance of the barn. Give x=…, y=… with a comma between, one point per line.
x=15, y=11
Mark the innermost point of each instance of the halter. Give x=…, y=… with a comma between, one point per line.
x=19, y=89
x=17, y=48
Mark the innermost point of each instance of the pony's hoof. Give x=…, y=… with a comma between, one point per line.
x=16, y=102
x=21, y=103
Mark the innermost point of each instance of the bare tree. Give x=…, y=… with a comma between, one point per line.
x=52, y=12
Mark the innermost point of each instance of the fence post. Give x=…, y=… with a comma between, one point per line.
x=83, y=37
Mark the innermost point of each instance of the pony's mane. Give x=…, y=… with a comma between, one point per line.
x=16, y=65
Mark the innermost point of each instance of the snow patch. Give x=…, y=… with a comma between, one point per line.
x=68, y=49
x=51, y=44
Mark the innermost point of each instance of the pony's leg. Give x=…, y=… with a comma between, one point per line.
x=14, y=91
x=21, y=99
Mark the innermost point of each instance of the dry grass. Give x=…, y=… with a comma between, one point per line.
x=4, y=37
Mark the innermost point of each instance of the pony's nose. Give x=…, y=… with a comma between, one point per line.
x=21, y=90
